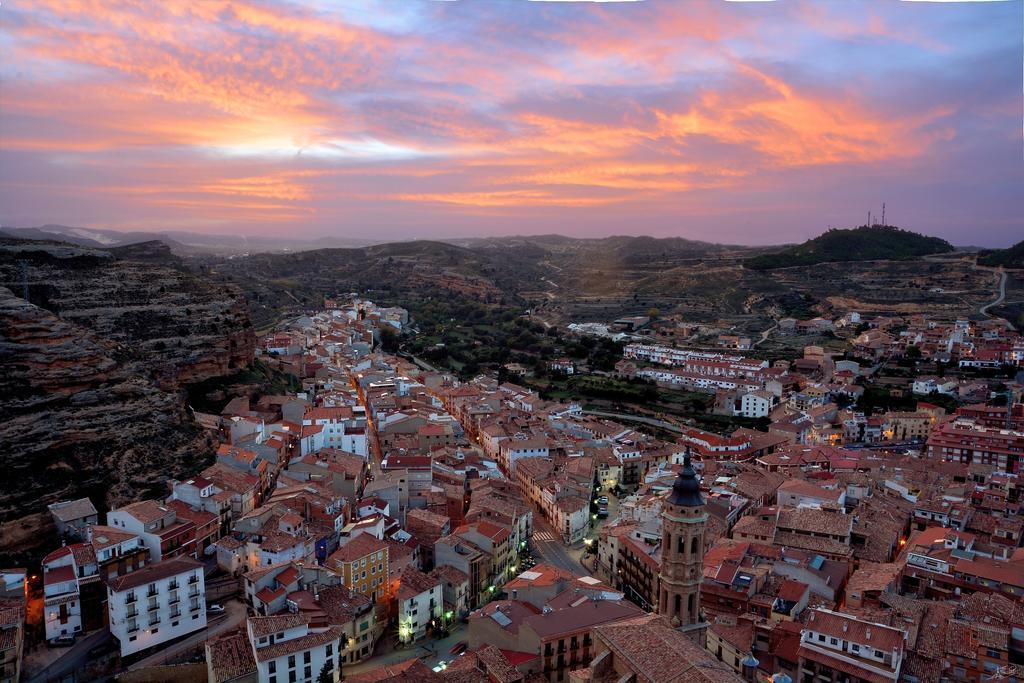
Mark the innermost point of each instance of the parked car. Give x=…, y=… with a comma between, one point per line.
x=63, y=641
x=603, y=500
x=602, y=513
x=215, y=608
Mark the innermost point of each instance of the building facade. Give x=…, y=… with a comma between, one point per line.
x=684, y=518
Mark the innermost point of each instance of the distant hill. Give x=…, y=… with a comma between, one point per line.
x=181, y=242
x=1007, y=258
x=866, y=243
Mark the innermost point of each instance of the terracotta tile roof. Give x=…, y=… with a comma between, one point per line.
x=59, y=575
x=814, y=520
x=1008, y=573
x=812, y=543
x=359, y=547
x=581, y=615
x=342, y=605
x=737, y=632
x=791, y=590
x=83, y=553
x=264, y=626
x=146, y=511
x=73, y=510
x=873, y=576
x=306, y=642
x=843, y=666
x=409, y=671
x=413, y=582
x=230, y=657
x=450, y=574
x=106, y=536
x=657, y=653
x=155, y=572
x=846, y=627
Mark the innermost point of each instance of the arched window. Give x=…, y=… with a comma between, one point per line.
x=689, y=605
x=679, y=604
x=680, y=545
x=695, y=545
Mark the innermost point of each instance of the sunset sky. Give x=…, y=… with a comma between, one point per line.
x=731, y=122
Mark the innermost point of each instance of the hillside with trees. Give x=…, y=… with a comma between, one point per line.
x=866, y=243
x=1007, y=258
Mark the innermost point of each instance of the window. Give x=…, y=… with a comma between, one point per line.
x=291, y=661
x=272, y=667
x=305, y=657
x=833, y=641
x=307, y=672
x=821, y=638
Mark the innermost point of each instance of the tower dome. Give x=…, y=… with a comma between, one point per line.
x=686, y=488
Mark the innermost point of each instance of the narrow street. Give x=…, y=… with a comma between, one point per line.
x=549, y=548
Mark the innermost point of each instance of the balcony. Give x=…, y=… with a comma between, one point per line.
x=130, y=598
x=133, y=627
x=174, y=599
x=153, y=606
x=193, y=579
x=151, y=593
x=132, y=613
x=175, y=614
x=173, y=585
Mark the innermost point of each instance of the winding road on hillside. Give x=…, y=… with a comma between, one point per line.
x=1002, y=292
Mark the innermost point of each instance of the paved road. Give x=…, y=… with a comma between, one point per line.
x=233, y=616
x=549, y=548
x=637, y=418
x=1002, y=296
x=764, y=336
x=431, y=652
x=74, y=658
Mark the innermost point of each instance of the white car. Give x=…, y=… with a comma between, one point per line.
x=216, y=609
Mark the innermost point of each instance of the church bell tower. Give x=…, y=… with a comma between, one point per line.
x=683, y=519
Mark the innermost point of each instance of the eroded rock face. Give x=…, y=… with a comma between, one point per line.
x=92, y=371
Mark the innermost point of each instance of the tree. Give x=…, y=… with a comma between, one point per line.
x=653, y=313
x=325, y=675
x=913, y=352
x=389, y=339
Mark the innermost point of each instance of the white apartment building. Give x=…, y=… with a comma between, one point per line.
x=757, y=404
x=288, y=650
x=420, y=601
x=836, y=646
x=342, y=429
x=157, y=603
x=62, y=600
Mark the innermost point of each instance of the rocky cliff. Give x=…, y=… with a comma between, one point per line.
x=94, y=367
